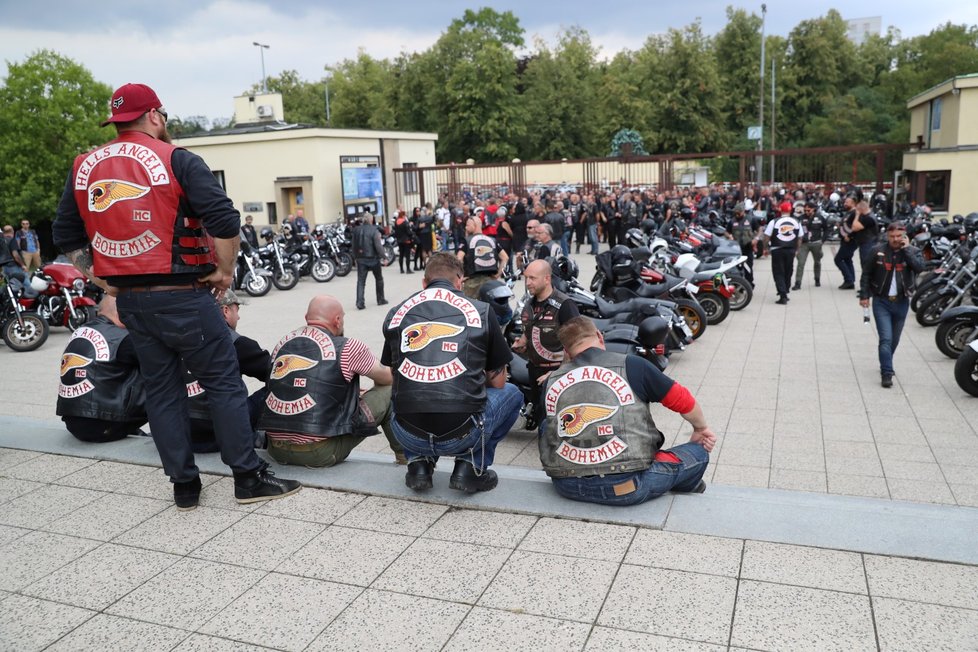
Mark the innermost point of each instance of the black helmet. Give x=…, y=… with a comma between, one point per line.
x=686, y=212
x=635, y=238
x=971, y=222
x=564, y=268
x=267, y=233
x=621, y=263
x=497, y=294
x=958, y=219
x=652, y=332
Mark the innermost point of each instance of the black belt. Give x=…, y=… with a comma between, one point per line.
x=163, y=288
x=893, y=297
x=456, y=433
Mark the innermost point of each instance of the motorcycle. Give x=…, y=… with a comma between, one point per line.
x=966, y=369
x=249, y=272
x=957, y=329
x=58, y=294
x=22, y=330
x=950, y=292
x=284, y=274
x=336, y=246
x=390, y=251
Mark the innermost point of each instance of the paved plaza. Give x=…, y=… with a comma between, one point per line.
x=834, y=513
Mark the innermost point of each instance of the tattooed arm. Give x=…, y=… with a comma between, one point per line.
x=82, y=260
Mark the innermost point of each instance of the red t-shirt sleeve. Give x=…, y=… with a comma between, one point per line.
x=678, y=399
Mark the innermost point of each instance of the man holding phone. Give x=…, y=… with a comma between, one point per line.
x=889, y=273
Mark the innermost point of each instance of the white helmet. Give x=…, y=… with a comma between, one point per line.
x=38, y=283
x=834, y=197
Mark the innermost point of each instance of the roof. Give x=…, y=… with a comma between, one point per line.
x=298, y=130
x=969, y=80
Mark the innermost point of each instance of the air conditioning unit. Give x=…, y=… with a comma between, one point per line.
x=265, y=111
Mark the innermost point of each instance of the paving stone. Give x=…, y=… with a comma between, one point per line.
x=914, y=470
x=179, y=532
x=486, y=629
x=100, y=577
x=742, y=476
x=157, y=485
x=187, y=594
x=688, y=605
x=777, y=617
x=965, y=494
x=45, y=504
x=920, y=492
x=448, y=570
x=333, y=555
x=392, y=515
x=11, y=457
x=579, y=539
x=107, y=517
x=8, y=534
x=259, y=541
x=47, y=468
x=953, y=585
x=202, y=643
x=109, y=476
x=906, y=626
x=422, y=624
x=795, y=460
x=311, y=504
x=32, y=556
x=282, y=611
x=814, y=481
x=858, y=485
x=686, y=552
x=220, y=495
x=744, y=455
x=28, y=624
x=605, y=639
x=11, y=488
x=833, y=570
x=568, y=588
x=484, y=528
x=105, y=632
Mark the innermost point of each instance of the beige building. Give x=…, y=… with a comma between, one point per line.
x=271, y=169
x=943, y=171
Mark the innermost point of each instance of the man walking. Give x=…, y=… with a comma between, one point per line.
x=782, y=236
x=814, y=234
x=368, y=249
x=888, y=275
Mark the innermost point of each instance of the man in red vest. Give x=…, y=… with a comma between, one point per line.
x=149, y=222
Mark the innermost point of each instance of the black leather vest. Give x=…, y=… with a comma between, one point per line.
x=480, y=255
x=364, y=242
x=307, y=392
x=540, y=324
x=93, y=383
x=815, y=230
x=196, y=395
x=595, y=424
x=786, y=232
x=439, y=340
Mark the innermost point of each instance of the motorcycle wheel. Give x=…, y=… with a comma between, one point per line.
x=953, y=336
x=28, y=337
x=85, y=315
x=716, y=306
x=743, y=292
x=286, y=279
x=323, y=270
x=929, y=312
x=924, y=292
x=389, y=256
x=694, y=315
x=256, y=285
x=966, y=371
x=344, y=263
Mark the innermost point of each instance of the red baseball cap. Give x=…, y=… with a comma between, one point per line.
x=785, y=207
x=131, y=101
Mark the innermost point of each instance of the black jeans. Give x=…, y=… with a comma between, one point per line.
x=364, y=267
x=404, y=255
x=187, y=324
x=782, y=261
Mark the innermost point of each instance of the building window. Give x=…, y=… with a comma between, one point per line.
x=410, y=180
x=935, y=114
x=219, y=175
x=937, y=189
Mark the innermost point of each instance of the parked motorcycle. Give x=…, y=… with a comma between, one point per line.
x=249, y=273
x=966, y=369
x=57, y=293
x=336, y=246
x=957, y=329
x=950, y=292
x=22, y=330
x=284, y=274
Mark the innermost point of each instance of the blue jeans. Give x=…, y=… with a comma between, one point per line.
x=13, y=270
x=565, y=240
x=843, y=260
x=165, y=327
x=479, y=446
x=592, y=235
x=663, y=476
x=889, y=317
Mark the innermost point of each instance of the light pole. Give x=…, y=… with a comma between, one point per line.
x=261, y=48
x=326, y=79
x=760, y=121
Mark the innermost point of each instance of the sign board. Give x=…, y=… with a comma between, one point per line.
x=253, y=207
x=754, y=133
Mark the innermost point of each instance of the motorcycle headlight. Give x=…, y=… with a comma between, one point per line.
x=78, y=285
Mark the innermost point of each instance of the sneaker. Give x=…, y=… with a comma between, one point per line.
x=887, y=380
x=262, y=485
x=187, y=494
x=418, y=475
x=782, y=301
x=464, y=478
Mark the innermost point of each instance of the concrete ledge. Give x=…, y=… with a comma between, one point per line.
x=939, y=532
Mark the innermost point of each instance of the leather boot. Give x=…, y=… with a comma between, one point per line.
x=419, y=474
x=464, y=478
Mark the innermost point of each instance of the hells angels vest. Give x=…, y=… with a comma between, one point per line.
x=786, y=232
x=135, y=212
x=307, y=393
x=93, y=383
x=480, y=255
x=439, y=342
x=196, y=393
x=595, y=424
x=543, y=349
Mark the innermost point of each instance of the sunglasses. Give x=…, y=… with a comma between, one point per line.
x=163, y=113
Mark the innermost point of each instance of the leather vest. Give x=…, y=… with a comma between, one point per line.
x=815, y=230
x=786, y=232
x=364, y=242
x=93, y=383
x=196, y=395
x=480, y=255
x=540, y=324
x=439, y=341
x=135, y=211
x=595, y=424
x=307, y=393
x=742, y=230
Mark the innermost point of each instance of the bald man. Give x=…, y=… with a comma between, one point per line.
x=315, y=413
x=101, y=397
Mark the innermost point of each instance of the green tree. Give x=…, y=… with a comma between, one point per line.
x=193, y=124
x=737, y=49
x=361, y=93
x=50, y=109
x=559, y=90
x=620, y=101
x=302, y=101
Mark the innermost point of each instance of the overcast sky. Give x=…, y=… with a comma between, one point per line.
x=198, y=54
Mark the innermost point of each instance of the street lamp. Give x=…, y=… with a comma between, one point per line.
x=760, y=121
x=261, y=48
x=326, y=78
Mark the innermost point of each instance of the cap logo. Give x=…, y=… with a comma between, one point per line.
x=117, y=102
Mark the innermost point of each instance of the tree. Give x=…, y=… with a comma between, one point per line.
x=50, y=110
x=627, y=141
x=620, y=102
x=302, y=101
x=737, y=49
x=187, y=126
x=362, y=93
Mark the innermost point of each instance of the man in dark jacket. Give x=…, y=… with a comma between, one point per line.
x=368, y=249
x=888, y=275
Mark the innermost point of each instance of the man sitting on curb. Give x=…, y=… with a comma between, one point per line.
x=314, y=414
x=600, y=444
